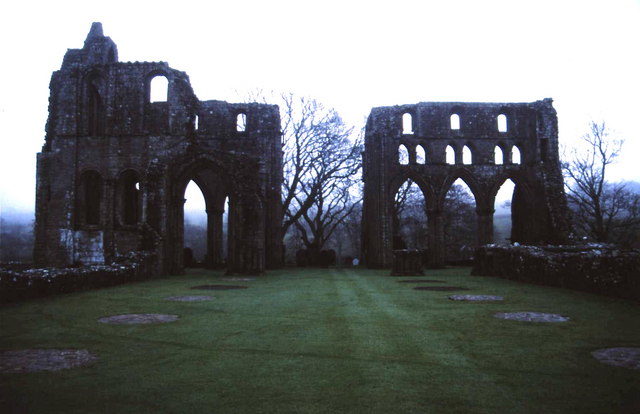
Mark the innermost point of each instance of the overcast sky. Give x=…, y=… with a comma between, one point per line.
x=352, y=55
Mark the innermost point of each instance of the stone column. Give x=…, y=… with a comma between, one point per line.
x=214, y=257
x=435, y=235
x=107, y=212
x=485, y=225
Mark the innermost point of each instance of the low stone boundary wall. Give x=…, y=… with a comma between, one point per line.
x=18, y=283
x=594, y=268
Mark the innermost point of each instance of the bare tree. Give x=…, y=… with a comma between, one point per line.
x=321, y=163
x=329, y=187
x=603, y=211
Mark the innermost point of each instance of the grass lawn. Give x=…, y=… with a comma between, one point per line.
x=325, y=340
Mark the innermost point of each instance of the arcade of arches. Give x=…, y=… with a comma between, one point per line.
x=481, y=144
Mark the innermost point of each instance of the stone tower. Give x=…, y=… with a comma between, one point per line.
x=113, y=170
x=539, y=209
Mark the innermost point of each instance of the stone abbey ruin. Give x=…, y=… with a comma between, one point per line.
x=112, y=173
x=411, y=142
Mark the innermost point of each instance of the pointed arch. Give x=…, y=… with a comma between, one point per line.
x=403, y=155
x=195, y=224
x=522, y=202
x=450, y=155
x=498, y=155
x=502, y=217
x=95, y=112
x=516, y=156
x=421, y=155
x=465, y=176
x=459, y=221
x=409, y=217
x=467, y=155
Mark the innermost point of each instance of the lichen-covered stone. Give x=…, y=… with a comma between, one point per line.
x=114, y=166
x=539, y=207
x=596, y=268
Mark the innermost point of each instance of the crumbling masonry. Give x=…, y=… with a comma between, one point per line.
x=113, y=170
x=411, y=142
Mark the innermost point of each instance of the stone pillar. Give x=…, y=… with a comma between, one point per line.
x=485, y=226
x=458, y=156
x=107, y=212
x=214, y=259
x=435, y=235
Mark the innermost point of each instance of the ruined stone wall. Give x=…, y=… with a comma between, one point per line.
x=601, y=269
x=109, y=148
x=539, y=210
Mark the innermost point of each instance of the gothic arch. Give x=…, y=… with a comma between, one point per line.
x=468, y=178
x=427, y=190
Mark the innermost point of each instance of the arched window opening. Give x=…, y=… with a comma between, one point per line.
x=502, y=220
x=129, y=197
x=158, y=89
x=455, y=121
x=421, y=155
x=225, y=230
x=502, y=123
x=195, y=226
x=515, y=155
x=450, y=155
x=241, y=122
x=196, y=123
x=467, y=155
x=407, y=124
x=403, y=155
x=409, y=220
x=498, y=156
x=459, y=223
x=95, y=110
x=92, y=197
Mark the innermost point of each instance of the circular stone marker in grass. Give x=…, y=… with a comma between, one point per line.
x=440, y=288
x=34, y=360
x=532, y=317
x=420, y=281
x=138, y=318
x=219, y=287
x=619, y=357
x=238, y=279
x=476, y=298
x=189, y=298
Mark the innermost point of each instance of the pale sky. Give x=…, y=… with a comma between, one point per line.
x=351, y=55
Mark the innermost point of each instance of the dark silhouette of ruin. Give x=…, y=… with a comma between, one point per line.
x=411, y=142
x=112, y=173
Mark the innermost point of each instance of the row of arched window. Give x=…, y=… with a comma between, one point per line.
x=158, y=92
x=241, y=122
x=454, y=123
x=450, y=155
x=91, y=194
